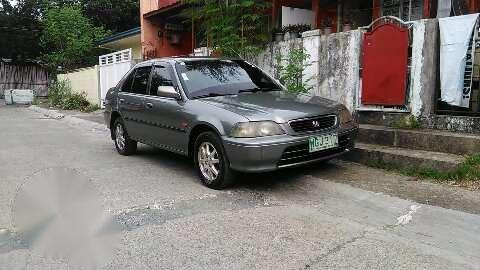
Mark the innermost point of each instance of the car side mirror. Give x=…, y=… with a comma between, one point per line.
x=168, y=91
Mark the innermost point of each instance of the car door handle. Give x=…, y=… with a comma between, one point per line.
x=121, y=101
x=149, y=105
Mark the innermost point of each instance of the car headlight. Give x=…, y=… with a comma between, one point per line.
x=256, y=129
x=345, y=117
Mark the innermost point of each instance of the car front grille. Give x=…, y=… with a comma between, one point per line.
x=299, y=153
x=314, y=123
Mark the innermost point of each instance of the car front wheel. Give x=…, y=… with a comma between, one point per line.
x=124, y=145
x=211, y=161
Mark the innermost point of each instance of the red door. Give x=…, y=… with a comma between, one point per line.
x=385, y=60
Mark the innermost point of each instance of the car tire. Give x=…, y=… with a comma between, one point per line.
x=124, y=145
x=211, y=162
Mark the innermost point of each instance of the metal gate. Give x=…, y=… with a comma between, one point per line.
x=385, y=64
x=113, y=67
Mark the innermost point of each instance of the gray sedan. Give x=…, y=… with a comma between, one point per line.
x=226, y=115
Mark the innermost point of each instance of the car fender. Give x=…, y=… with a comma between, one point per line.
x=212, y=123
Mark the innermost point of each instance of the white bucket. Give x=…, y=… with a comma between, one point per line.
x=8, y=96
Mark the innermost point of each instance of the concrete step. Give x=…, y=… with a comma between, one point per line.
x=404, y=158
x=424, y=139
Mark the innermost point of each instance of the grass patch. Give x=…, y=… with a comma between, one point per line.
x=468, y=171
x=91, y=108
x=61, y=96
x=407, y=122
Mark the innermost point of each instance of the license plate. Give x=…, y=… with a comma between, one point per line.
x=319, y=143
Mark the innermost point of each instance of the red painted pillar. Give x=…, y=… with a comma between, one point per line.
x=275, y=8
x=316, y=11
x=376, y=9
x=473, y=6
x=426, y=9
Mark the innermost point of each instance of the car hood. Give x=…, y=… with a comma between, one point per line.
x=275, y=106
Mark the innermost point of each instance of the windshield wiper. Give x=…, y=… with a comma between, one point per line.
x=210, y=95
x=259, y=89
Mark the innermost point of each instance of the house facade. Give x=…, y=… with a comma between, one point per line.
x=378, y=57
x=164, y=32
x=129, y=39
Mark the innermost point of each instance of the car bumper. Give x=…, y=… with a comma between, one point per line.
x=107, y=116
x=277, y=152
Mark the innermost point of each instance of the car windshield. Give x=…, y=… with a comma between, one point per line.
x=206, y=78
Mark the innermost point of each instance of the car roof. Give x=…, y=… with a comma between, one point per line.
x=178, y=59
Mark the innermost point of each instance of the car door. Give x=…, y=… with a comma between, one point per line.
x=131, y=101
x=166, y=115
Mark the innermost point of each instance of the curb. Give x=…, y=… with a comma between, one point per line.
x=46, y=112
x=70, y=120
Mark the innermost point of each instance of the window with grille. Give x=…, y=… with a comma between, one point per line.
x=407, y=10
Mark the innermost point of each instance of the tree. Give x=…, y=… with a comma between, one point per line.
x=20, y=29
x=69, y=38
x=232, y=28
x=113, y=15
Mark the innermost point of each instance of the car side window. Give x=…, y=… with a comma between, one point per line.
x=140, y=80
x=161, y=76
x=127, y=84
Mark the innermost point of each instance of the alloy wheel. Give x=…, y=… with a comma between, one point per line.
x=120, y=137
x=208, y=161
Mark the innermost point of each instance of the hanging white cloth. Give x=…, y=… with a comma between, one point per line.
x=455, y=35
x=444, y=8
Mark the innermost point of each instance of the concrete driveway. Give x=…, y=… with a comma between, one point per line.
x=335, y=216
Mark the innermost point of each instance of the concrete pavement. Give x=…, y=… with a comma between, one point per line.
x=334, y=216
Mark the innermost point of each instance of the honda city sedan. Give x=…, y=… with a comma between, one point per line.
x=226, y=115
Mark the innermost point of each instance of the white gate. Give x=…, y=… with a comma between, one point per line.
x=113, y=67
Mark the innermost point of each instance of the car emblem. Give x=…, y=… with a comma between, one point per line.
x=316, y=124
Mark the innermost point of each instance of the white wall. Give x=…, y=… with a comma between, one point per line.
x=84, y=80
x=291, y=16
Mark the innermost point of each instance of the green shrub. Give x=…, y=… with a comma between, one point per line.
x=407, y=122
x=61, y=96
x=57, y=91
x=291, y=74
x=91, y=108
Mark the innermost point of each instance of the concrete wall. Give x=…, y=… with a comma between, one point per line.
x=335, y=61
x=428, y=84
x=338, y=67
x=84, y=80
x=333, y=66
x=137, y=51
x=267, y=60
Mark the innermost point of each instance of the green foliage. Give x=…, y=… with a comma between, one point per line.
x=291, y=73
x=69, y=38
x=296, y=28
x=61, y=96
x=232, y=28
x=407, y=122
x=114, y=15
x=468, y=171
x=20, y=30
x=22, y=25
x=91, y=108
